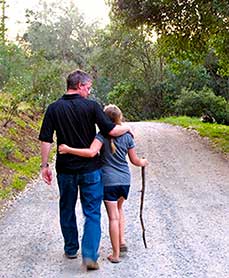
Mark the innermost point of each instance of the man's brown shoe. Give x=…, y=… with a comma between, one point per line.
x=90, y=265
x=72, y=256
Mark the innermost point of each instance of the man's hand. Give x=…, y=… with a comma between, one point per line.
x=46, y=174
x=121, y=129
x=130, y=130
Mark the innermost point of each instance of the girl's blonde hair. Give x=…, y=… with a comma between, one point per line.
x=115, y=114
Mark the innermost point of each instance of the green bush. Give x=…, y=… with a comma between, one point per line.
x=138, y=103
x=204, y=102
x=19, y=182
x=129, y=99
x=6, y=148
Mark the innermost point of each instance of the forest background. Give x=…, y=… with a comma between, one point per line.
x=155, y=59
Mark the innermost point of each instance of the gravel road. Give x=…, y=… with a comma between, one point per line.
x=186, y=216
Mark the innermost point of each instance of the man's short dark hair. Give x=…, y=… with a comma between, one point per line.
x=77, y=77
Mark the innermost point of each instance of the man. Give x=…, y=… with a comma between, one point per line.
x=73, y=118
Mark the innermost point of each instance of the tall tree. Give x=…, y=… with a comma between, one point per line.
x=127, y=54
x=184, y=26
x=59, y=30
x=3, y=18
x=127, y=63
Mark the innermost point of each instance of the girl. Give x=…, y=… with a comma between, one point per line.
x=115, y=176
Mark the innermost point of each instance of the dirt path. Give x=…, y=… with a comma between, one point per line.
x=186, y=215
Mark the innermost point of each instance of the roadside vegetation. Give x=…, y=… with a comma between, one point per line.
x=19, y=147
x=182, y=73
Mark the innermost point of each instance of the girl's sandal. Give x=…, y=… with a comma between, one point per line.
x=113, y=260
x=123, y=248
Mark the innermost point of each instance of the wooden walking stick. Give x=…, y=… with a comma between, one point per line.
x=141, y=206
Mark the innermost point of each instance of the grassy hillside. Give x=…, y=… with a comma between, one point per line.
x=19, y=146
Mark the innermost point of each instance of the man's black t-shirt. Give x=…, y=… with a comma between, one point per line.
x=73, y=118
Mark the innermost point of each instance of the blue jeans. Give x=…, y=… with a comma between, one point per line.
x=91, y=195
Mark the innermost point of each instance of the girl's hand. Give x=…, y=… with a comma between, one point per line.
x=63, y=149
x=144, y=162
